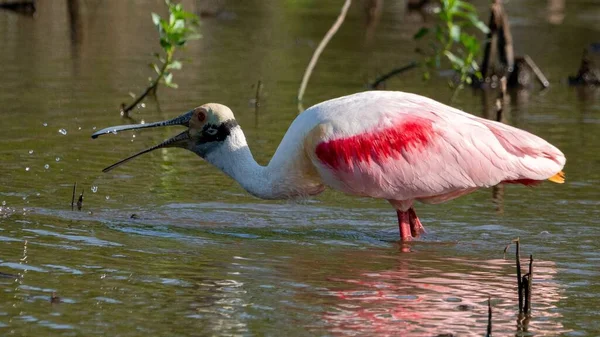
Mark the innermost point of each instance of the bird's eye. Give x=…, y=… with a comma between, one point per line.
x=201, y=116
x=211, y=131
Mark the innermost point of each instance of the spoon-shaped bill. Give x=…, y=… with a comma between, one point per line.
x=178, y=141
x=181, y=120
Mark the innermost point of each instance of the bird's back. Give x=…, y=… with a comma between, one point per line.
x=398, y=145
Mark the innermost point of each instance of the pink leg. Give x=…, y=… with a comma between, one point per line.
x=404, y=225
x=416, y=228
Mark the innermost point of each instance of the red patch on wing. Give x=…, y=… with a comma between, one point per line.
x=526, y=182
x=411, y=135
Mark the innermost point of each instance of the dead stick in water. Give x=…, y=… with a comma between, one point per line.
x=537, y=71
x=527, y=308
x=519, y=280
x=394, y=72
x=73, y=197
x=489, y=326
x=80, y=201
x=498, y=190
x=319, y=50
x=126, y=109
x=525, y=291
x=500, y=100
x=257, y=96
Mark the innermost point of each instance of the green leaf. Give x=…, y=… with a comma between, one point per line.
x=467, y=40
x=179, y=25
x=175, y=37
x=450, y=7
x=193, y=36
x=467, y=6
x=159, y=57
x=439, y=35
x=156, y=19
x=164, y=25
x=168, y=78
x=154, y=66
x=174, y=65
x=482, y=27
x=455, y=33
x=455, y=60
x=422, y=32
x=172, y=85
x=165, y=44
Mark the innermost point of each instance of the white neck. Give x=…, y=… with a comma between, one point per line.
x=235, y=159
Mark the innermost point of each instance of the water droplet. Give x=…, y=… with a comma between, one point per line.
x=27, y=169
x=143, y=105
x=79, y=128
x=62, y=131
x=25, y=198
x=94, y=189
x=45, y=124
x=37, y=194
x=30, y=151
x=3, y=202
x=143, y=122
x=133, y=136
x=46, y=166
x=114, y=131
x=57, y=159
x=107, y=197
x=94, y=128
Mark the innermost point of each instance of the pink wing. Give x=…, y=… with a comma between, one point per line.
x=429, y=151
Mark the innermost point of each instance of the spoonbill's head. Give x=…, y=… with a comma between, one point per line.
x=209, y=126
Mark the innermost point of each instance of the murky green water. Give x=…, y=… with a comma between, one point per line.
x=200, y=256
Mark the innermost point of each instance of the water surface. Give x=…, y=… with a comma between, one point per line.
x=168, y=246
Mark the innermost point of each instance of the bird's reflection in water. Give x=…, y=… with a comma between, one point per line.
x=444, y=297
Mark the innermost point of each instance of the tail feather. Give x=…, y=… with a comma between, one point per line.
x=558, y=178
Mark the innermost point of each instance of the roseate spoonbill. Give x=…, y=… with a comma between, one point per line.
x=395, y=146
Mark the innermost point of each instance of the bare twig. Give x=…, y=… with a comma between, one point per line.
x=527, y=307
x=21, y=7
x=257, y=96
x=54, y=299
x=385, y=77
x=524, y=283
x=151, y=89
x=500, y=100
x=320, y=48
x=80, y=201
x=489, y=325
x=498, y=190
x=73, y=197
x=537, y=71
x=519, y=279
x=499, y=47
x=589, y=69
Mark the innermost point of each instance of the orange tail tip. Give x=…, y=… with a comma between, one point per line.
x=558, y=178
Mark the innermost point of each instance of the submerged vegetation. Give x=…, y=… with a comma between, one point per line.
x=174, y=33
